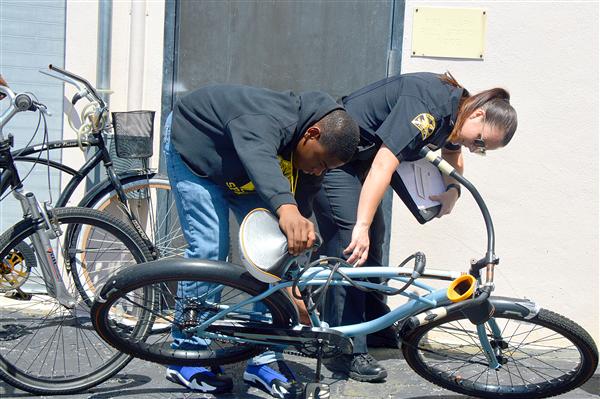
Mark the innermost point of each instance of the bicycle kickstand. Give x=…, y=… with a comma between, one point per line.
x=317, y=390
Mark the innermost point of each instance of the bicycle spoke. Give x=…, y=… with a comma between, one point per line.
x=533, y=356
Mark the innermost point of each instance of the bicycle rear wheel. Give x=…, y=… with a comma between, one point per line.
x=542, y=356
x=151, y=200
x=186, y=292
x=46, y=348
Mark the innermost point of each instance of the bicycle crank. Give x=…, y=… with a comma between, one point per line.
x=16, y=267
x=307, y=341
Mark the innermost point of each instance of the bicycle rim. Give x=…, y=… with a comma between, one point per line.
x=543, y=356
x=151, y=201
x=46, y=348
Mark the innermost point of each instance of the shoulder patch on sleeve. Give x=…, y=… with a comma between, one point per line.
x=425, y=123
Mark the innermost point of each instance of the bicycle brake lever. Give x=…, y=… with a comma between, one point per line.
x=42, y=108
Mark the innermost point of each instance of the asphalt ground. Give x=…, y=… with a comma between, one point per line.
x=146, y=380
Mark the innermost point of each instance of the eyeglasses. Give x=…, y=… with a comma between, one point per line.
x=479, y=146
x=479, y=143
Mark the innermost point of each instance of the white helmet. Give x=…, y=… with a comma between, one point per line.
x=263, y=246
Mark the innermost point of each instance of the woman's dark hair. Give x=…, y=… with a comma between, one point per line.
x=496, y=104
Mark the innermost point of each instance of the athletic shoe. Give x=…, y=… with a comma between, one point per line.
x=200, y=379
x=279, y=383
x=365, y=368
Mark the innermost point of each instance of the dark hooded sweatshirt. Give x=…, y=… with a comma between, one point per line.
x=243, y=137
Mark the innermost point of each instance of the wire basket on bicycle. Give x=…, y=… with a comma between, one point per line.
x=133, y=133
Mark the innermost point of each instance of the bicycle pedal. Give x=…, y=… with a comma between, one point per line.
x=18, y=295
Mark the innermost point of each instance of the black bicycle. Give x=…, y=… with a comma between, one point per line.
x=47, y=342
x=141, y=197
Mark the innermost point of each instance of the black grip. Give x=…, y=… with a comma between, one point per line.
x=78, y=78
x=76, y=98
x=23, y=102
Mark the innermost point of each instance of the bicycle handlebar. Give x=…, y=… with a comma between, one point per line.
x=490, y=259
x=77, y=81
x=19, y=102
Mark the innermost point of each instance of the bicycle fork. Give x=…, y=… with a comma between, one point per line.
x=41, y=242
x=492, y=352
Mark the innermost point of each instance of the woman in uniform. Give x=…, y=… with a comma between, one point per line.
x=397, y=117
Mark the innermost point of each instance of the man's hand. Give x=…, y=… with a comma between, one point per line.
x=300, y=232
x=447, y=199
x=2, y=83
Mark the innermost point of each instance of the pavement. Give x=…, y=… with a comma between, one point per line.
x=146, y=380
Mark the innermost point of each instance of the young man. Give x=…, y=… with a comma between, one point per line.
x=240, y=148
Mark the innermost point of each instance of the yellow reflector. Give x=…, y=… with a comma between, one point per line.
x=462, y=288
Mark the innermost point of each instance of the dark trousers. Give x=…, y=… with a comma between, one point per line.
x=335, y=210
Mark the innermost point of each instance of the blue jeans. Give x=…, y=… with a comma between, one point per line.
x=203, y=208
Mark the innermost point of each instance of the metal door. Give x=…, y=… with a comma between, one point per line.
x=334, y=46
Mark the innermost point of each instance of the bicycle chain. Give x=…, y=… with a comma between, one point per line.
x=268, y=347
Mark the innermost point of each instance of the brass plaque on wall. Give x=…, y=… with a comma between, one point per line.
x=448, y=32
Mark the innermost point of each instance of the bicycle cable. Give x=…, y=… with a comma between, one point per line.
x=319, y=293
x=44, y=141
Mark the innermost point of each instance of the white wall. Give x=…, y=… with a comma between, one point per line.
x=81, y=51
x=542, y=189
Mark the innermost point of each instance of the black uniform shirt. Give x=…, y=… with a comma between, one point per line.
x=405, y=112
x=243, y=137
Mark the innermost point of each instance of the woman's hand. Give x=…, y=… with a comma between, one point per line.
x=377, y=181
x=359, y=246
x=447, y=199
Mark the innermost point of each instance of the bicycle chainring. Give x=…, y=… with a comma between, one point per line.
x=16, y=266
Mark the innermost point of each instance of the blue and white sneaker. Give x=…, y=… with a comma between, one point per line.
x=279, y=383
x=200, y=379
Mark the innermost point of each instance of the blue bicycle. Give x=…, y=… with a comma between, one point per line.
x=460, y=338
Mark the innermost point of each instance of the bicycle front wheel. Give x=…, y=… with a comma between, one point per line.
x=543, y=356
x=186, y=293
x=45, y=347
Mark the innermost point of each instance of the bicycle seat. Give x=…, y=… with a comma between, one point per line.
x=263, y=246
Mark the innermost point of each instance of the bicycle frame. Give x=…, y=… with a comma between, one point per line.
x=317, y=276
x=77, y=175
x=31, y=208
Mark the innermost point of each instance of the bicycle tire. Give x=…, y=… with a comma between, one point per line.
x=162, y=226
x=171, y=242
x=47, y=349
x=458, y=363
x=163, y=276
